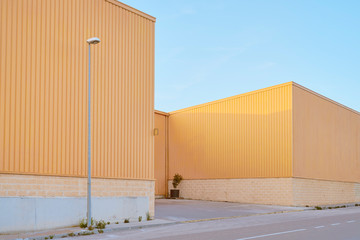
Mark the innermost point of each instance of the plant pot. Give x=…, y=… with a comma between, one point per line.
x=174, y=193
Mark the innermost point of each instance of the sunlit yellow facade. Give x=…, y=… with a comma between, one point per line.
x=44, y=110
x=282, y=145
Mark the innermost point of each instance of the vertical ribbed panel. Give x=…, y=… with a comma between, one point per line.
x=160, y=153
x=244, y=136
x=326, y=138
x=43, y=88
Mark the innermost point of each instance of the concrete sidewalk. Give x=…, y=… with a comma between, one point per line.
x=168, y=211
x=189, y=210
x=77, y=231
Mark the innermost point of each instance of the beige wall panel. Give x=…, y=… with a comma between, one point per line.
x=244, y=136
x=326, y=138
x=43, y=88
x=160, y=154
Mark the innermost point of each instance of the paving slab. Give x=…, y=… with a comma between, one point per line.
x=188, y=210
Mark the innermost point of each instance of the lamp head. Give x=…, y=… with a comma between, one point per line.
x=93, y=40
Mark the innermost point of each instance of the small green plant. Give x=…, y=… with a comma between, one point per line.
x=127, y=220
x=307, y=206
x=63, y=236
x=330, y=207
x=101, y=231
x=176, y=180
x=83, y=222
x=46, y=238
x=85, y=233
x=51, y=236
x=108, y=223
x=71, y=234
x=148, y=216
x=318, y=208
x=91, y=228
x=357, y=205
x=140, y=218
x=101, y=224
x=116, y=222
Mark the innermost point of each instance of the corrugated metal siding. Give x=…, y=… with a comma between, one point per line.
x=160, y=154
x=43, y=88
x=245, y=136
x=326, y=138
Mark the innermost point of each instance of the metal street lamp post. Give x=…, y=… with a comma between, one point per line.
x=90, y=41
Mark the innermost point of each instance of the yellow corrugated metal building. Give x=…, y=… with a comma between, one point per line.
x=282, y=145
x=43, y=107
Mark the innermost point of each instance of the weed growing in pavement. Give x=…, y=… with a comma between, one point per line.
x=148, y=216
x=127, y=220
x=101, y=231
x=83, y=222
x=71, y=234
x=318, y=208
x=116, y=222
x=140, y=218
x=85, y=233
x=101, y=224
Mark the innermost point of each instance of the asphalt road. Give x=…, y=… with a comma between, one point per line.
x=341, y=224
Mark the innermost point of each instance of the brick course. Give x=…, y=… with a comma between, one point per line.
x=52, y=186
x=277, y=191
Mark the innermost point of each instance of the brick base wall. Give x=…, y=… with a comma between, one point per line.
x=51, y=186
x=321, y=192
x=274, y=191
x=256, y=190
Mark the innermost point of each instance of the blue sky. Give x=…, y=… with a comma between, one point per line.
x=207, y=50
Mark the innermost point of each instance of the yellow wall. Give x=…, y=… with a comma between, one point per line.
x=244, y=136
x=43, y=88
x=160, y=151
x=326, y=138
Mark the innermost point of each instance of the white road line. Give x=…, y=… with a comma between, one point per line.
x=351, y=221
x=272, y=234
x=319, y=227
x=334, y=224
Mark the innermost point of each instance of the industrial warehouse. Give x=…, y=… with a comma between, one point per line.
x=44, y=112
x=281, y=145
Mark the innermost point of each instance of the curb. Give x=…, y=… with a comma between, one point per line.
x=94, y=231
x=122, y=228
